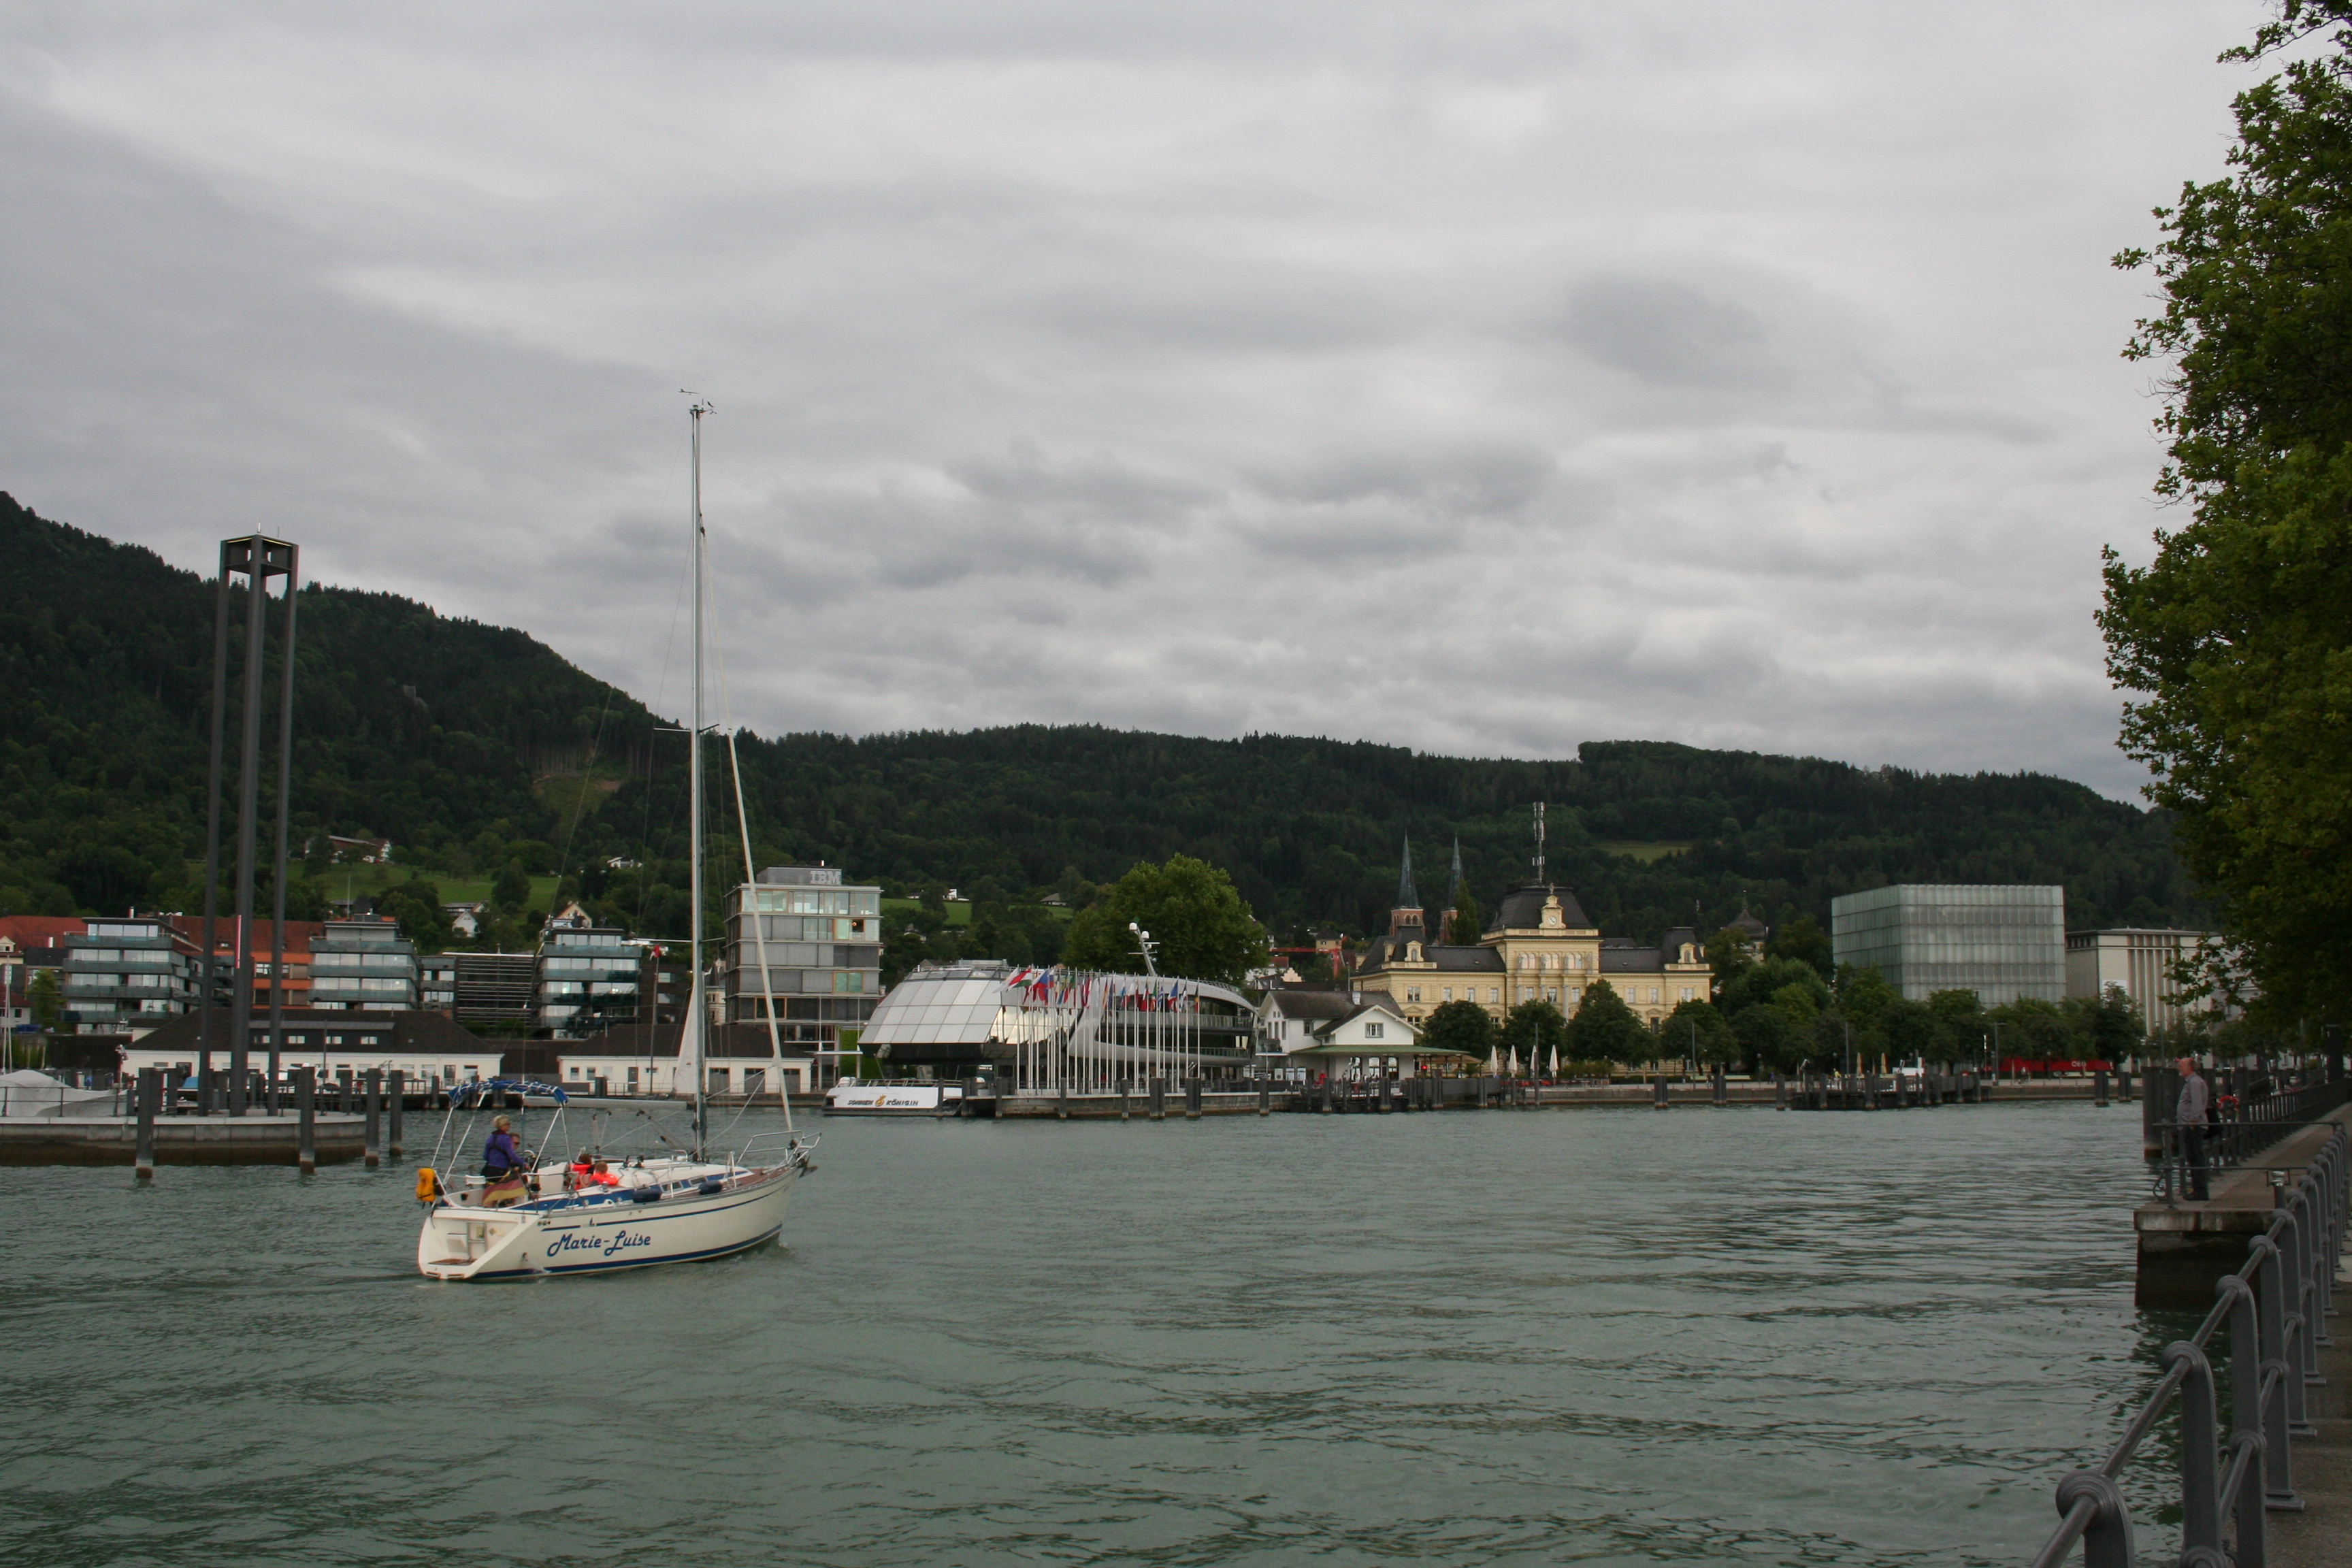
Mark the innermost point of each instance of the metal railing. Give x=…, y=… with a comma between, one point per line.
x=2276, y=1306
x=2236, y=1133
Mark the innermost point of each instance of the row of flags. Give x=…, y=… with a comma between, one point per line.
x=1045, y=988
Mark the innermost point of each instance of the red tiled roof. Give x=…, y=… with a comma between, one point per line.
x=40, y=931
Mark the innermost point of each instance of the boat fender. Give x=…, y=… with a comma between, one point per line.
x=428, y=1186
x=644, y=1195
x=712, y=1186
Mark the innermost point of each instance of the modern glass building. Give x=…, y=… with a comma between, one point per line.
x=590, y=978
x=364, y=964
x=2004, y=943
x=824, y=954
x=132, y=974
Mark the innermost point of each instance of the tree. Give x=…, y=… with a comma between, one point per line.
x=1460, y=1026
x=512, y=887
x=1605, y=1030
x=416, y=905
x=1198, y=923
x=1465, y=925
x=43, y=998
x=1767, y=982
x=2234, y=636
x=1534, y=1026
x=1698, y=1030
x=2033, y=1028
x=1863, y=997
x=1766, y=1037
x=1803, y=941
x=1727, y=956
x=1959, y=1027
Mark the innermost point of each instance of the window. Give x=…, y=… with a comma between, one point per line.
x=1374, y=1031
x=1493, y=994
x=1551, y=993
x=1412, y=993
x=1445, y=994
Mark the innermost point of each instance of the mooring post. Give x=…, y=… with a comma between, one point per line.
x=146, y=1097
x=1722, y=1087
x=1781, y=1091
x=2099, y=1087
x=371, y=1094
x=1193, y=1099
x=393, y=1107
x=1062, y=1101
x=1159, y=1098
x=1122, y=1098
x=306, y=1120
x=1264, y=1095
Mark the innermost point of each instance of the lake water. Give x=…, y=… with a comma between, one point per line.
x=1703, y=1336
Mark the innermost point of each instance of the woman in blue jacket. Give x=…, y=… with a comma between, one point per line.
x=501, y=1152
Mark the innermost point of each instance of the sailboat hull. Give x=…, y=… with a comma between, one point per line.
x=599, y=1234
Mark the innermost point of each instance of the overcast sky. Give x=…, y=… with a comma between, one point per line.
x=1479, y=377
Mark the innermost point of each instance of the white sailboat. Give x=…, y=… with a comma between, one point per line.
x=686, y=1205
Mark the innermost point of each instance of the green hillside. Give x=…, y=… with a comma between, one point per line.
x=477, y=749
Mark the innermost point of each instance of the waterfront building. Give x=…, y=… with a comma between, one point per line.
x=495, y=990
x=1540, y=947
x=2002, y=942
x=132, y=974
x=1043, y=1030
x=436, y=982
x=339, y=1043
x=590, y=977
x=2140, y=962
x=642, y=1058
x=366, y=964
x=1310, y=1033
x=824, y=956
x=269, y=970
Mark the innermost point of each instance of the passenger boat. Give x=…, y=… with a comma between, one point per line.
x=855, y=1099
x=684, y=1204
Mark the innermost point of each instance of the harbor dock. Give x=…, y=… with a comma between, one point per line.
x=256, y=1139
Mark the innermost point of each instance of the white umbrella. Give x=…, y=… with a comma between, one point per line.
x=1555, y=1061
x=1495, y=1061
x=1514, y=1061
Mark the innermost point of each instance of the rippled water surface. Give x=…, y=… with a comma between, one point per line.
x=1596, y=1337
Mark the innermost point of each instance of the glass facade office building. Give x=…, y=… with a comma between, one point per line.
x=134, y=975
x=2004, y=943
x=824, y=940
x=364, y=964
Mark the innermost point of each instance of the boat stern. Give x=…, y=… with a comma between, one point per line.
x=460, y=1243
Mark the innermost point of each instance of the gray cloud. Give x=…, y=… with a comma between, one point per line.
x=1456, y=374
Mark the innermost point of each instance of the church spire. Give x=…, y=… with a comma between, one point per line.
x=1408, y=896
x=1453, y=883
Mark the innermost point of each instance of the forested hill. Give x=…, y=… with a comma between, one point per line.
x=470, y=745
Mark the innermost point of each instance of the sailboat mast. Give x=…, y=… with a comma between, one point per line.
x=696, y=1006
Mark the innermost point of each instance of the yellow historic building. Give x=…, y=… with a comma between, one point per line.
x=1539, y=948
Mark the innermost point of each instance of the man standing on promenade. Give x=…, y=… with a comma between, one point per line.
x=2191, y=1113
